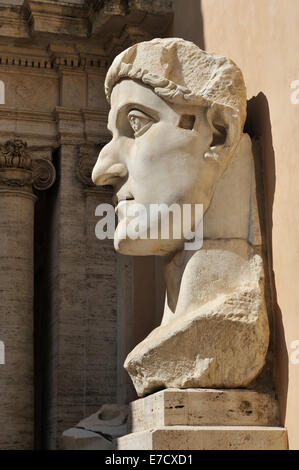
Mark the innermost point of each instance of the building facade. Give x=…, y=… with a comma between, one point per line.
x=70, y=307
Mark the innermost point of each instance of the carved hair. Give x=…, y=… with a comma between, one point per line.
x=180, y=72
x=163, y=87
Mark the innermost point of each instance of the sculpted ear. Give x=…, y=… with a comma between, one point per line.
x=224, y=132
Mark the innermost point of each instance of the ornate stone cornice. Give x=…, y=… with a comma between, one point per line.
x=87, y=125
x=54, y=57
x=13, y=23
x=111, y=24
x=53, y=128
x=51, y=17
x=18, y=169
x=96, y=31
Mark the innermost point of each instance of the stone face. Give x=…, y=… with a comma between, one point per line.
x=203, y=407
x=214, y=331
x=207, y=438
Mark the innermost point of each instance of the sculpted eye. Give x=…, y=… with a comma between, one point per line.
x=139, y=121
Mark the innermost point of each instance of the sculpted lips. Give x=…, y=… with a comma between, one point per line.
x=117, y=200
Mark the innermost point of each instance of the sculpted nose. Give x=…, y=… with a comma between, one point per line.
x=108, y=169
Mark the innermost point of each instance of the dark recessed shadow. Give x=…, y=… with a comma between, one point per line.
x=44, y=311
x=258, y=126
x=187, y=22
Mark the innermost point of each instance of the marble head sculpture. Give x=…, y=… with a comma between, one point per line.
x=177, y=116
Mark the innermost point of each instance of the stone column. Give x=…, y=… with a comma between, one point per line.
x=18, y=175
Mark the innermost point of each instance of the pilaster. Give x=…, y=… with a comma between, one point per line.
x=19, y=174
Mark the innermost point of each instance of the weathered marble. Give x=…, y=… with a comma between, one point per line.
x=205, y=419
x=214, y=331
x=207, y=438
x=204, y=407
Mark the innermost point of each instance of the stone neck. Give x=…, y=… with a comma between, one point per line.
x=231, y=228
x=194, y=278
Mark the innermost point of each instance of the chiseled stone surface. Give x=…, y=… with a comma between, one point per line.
x=204, y=407
x=220, y=344
x=80, y=323
x=214, y=332
x=110, y=22
x=16, y=313
x=207, y=438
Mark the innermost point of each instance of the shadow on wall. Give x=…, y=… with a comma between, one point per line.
x=45, y=322
x=258, y=126
x=2, y=92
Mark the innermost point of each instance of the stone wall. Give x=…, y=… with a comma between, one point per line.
x=53, y=60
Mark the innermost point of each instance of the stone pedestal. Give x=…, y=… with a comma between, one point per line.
x=204, y=419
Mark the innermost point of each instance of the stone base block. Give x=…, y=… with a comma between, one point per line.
x=203, y=407
x=206, y=438
x=204, y=419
